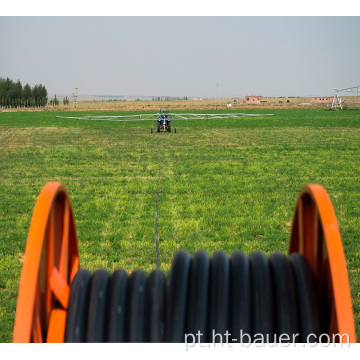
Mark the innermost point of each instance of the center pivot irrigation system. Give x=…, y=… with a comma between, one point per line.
x=302, y=297
x=336, y=103
x=163, y=118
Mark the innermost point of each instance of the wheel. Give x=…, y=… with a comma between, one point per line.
x=51, y=262
x=169, y=128
x=315, y=235
x=152, y=130
x=158, y=127
x=175, y=130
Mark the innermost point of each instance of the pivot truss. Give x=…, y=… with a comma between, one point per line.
x=173, y=116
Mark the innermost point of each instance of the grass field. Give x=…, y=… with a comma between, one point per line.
x=225, y=185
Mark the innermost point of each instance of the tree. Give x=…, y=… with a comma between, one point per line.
x=43, y=94
x=2, y=91
x=17, y=93
x=27, y=95
x=35, y=94
x=54, y=101
x=8, y=89
x=13, y=94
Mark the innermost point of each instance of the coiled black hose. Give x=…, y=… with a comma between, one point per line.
x=218, y=299
x=117, y=306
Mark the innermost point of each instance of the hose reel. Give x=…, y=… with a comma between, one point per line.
x=235, y=298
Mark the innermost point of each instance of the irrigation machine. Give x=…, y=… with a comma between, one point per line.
x=163, y=120
x=305, y=293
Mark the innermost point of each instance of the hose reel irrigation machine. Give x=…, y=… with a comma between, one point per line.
x=302, y=297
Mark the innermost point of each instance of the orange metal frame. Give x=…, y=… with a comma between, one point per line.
x=52, y=260
x=315, y=234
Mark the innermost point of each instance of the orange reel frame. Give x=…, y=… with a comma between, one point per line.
x=51, y=262
x=315, y=234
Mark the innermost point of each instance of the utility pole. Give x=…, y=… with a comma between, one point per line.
x=217, y=94
x=75, y=95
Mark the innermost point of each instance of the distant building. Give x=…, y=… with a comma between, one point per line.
x=198, y=98
x=321, y=100
x=252, y=99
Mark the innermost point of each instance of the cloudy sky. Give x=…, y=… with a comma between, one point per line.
x=182, y=56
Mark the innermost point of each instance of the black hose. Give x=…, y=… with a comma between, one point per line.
x=76, y=317
x=197, y=306
x=97, y=306
x=117, y=306
x=307, y=307
x=286, y=325
x=262, y=298
x=136, y=311
x=240, y=300
x=176, y=298
x=155, y=307
x=219, y=298
x=203, y=299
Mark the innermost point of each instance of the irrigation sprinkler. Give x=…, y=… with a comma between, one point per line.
x=337, y=102
x=163, y=118
x=306, y=292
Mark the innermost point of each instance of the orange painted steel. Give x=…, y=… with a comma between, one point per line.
x=315, y=234
x=51, y=261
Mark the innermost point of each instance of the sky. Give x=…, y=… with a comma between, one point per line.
x=193, y=56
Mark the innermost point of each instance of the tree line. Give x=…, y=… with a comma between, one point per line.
x=55, y=101
x=13, y=94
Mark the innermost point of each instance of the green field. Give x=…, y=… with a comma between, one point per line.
x=225, y=185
